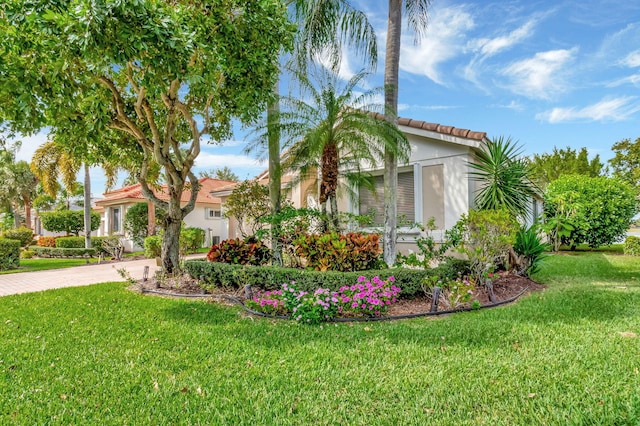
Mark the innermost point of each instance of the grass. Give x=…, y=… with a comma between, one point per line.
x=104, y=355
x=31, y=265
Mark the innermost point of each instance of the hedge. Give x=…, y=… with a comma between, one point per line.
x=70, y=242
x=24, y=235
x=61, y=252
x=632, y=246
x=9, y=254
x=218, y=274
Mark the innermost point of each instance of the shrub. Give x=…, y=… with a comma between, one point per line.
x=216, y=274
x=101, y=243
x=191, y=239
x=599, y=210
x=24, y=235
x=70, y=242
x=62, y=252
x=153, y=246
x=249, y=251
x=632, y=246
x=354, y=251
x=136, y=221
x=68, y=221
x=487, y=236
x=46, y=242
x=9, y=254
x=530, y=250
x=27, y=254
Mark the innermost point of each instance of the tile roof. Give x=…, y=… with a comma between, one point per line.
x=438, y=128
x=134, y=192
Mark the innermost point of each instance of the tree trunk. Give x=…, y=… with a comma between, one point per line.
x=151, y=218
x=27, y=212
x=275, y=174
x=335, y=220
x=392, y=63
x=171, y=244
x=87, y=207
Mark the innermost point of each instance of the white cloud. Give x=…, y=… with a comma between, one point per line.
x=345, y=71
x=492, y=46
x=541, y=76
x=444, y=41
x=632, y=60
x=609, y=109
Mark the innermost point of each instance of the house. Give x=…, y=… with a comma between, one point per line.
x=434, y=183
x=206, y=215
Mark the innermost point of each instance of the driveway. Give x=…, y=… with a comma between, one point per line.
x=28, y=282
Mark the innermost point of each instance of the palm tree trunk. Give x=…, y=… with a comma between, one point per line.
x=275, y=175
x=392, y=63
x=27, y=212
x=87, y=207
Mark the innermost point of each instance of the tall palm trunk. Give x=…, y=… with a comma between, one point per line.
x=87, y=207
x=275, y=174
x=329, y=182
x=392, y=63
x=27, y=212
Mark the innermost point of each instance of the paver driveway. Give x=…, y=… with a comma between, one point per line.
x=27, y=282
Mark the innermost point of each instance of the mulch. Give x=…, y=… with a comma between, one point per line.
x=505, y=287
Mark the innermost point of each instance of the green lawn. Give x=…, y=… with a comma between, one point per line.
x=104, y=355
x=31, y=265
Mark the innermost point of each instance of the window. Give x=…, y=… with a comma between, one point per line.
x=215, y=239
x=373, y=202
x=115, y=220
x=213, y=214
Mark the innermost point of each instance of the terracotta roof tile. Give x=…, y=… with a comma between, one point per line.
x=134, y=192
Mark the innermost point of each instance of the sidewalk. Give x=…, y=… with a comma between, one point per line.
x=28, y=282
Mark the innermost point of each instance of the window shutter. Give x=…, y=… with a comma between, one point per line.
x=374, y=201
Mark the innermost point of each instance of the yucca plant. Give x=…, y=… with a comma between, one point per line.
x=505, y=178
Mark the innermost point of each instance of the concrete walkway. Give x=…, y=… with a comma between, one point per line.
x=28, y=282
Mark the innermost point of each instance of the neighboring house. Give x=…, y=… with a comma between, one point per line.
x=206, y=215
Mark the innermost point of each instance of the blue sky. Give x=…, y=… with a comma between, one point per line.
x=546, y=73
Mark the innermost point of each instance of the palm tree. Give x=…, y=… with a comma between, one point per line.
x=416, y=13
x=334, y=131
x=17, y=186
x=505, y=177
x=324, y=27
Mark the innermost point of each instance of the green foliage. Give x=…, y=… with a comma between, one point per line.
x=223, y=173
x=70, y=242
x=632, y=246
x=136, y=221
x=191, y=239
x=598, y=210
x=249, y=251
x=218, y=274
x=62, y=252
x=487, y=236
x=428, y=249
x=626, y=162
x=530, y=250
x=101, y=243
x=505, y=179
x=24, y=235
x=27, y=254
x=353, y=251
x=153, y=246
x=548, y=167
x=249, y=204
x=68, y=221
x=9, y=254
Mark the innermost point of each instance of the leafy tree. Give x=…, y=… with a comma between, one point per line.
x=324, y=28
x=598, y=210
x=249, y=204
x=334, y=131
x=416, y=12
x=548, y=167
x=224, y=173
x=17, y=186
x=626, y=162
x=68, y=221
x=136, y=222
x=505, y=179
x=161, y=74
